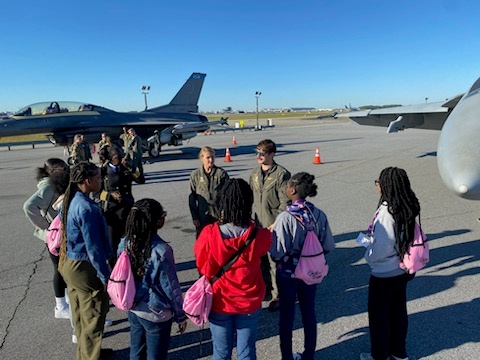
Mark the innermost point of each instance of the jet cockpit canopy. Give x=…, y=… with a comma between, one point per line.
x=55, y=107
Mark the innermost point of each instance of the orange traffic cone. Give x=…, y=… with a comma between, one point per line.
x=316, y=159
x=227, y=155
x=234, y=141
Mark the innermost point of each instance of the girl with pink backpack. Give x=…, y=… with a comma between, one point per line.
x=289, y=234
x=393, y=231
x=40, y=208
x=158, y=299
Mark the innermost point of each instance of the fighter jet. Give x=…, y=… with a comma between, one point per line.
x=60, y=121
x=430, y=116
x=458, y=152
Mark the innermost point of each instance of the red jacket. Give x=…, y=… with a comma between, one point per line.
x=241, y=289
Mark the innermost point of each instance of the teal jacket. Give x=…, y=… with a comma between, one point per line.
x=38, y=208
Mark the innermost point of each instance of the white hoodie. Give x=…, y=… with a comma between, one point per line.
x=381, y=254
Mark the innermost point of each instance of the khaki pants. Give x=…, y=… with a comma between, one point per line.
x=89, y=303
x=269, y=269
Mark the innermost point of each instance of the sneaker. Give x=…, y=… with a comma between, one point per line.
x=274, y=305
x=108, y=323
x=297, y=356
x=397, y=358
x=366, y=356
x=63, y=313
x=74, y=339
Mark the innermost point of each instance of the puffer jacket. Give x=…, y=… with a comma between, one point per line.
x=241, y=289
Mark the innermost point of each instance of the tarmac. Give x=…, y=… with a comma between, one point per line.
x=443, y=300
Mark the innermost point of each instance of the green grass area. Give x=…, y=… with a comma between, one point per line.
x=212, y=117
x=21, y=138
x=276, y=115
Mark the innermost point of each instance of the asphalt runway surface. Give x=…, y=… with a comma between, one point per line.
x=443, y=300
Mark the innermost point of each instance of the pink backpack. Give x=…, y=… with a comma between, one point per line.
x=198, y=301
x=312, y=266
x=54, y=235
x=417, y=255
x=121, y=285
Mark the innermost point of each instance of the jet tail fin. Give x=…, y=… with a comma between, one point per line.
x=186, y=99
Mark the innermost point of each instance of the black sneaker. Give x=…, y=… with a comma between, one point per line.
x=274, y=305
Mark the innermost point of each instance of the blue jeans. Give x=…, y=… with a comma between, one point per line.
x=288, y=290
x=223, y=328
x=148, y=340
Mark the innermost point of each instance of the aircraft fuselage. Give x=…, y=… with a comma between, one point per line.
x=61, y=126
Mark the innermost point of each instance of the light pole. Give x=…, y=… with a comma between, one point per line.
x=145, y=90
x=257, y=95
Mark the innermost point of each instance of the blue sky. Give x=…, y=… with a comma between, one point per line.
x=315, y=53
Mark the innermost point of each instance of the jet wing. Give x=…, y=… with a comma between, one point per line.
x=430, y=116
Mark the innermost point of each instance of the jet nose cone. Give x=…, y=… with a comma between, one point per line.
x=460, y=176
x=467, y=190
x=463, y=180
x=458, y=150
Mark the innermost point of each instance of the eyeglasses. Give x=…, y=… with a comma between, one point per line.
x=260, y=153
x=377, y=182
x=164, y=214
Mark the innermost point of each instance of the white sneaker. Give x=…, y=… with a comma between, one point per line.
x=297, y=356
x=366, y=356
x=74, y=339
x=108, y=323
x=63, y=313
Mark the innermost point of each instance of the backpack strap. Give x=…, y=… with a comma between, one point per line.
x=46, y=211
x=234, y=257
x=299, y=219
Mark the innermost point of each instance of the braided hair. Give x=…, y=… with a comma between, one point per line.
x=141, y=225
x=78, y=174
x=303, y=184
x=235, y=202
x=402, y=204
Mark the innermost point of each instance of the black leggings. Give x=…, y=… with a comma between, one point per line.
x=58, y=282
x=387, y=315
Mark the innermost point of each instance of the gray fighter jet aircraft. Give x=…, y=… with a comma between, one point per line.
x=458, y=152
x=60, y=121
x=424, y=116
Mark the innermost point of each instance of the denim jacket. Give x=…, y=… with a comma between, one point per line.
x=87, y=236
x=158, y=291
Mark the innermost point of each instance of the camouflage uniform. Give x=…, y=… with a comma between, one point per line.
x=78, y=152
x=134, y=153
